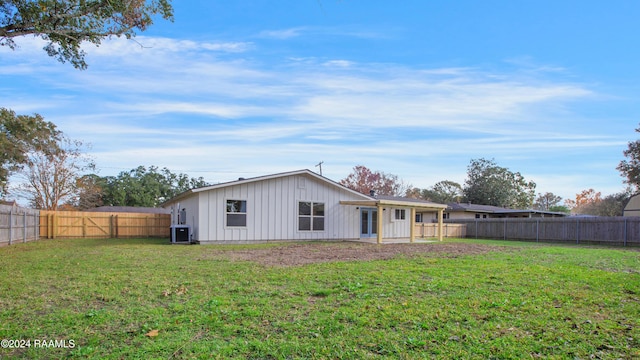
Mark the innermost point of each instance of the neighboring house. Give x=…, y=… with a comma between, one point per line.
x=297, y=205
x=633, y=206
x=465, y=211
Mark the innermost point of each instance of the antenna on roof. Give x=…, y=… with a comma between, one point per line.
x=320, y=166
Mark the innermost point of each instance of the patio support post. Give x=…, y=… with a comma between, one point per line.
x=440, y=223
x=380, y=217
x=412, y=230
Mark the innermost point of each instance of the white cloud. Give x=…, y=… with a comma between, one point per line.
x=200, y=106
x=282, y=34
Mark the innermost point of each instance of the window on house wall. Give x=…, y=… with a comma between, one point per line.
x=400, y=214
x=477, y=216
x=418, y=217
x=236, y=213
x=310, y=216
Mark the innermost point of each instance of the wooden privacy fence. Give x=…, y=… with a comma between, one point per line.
x=623, y=231
x=78, y=224
x=427, y=230
x=18, y=225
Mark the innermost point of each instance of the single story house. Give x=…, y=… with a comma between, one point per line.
x=465, y=211
x=297, y=205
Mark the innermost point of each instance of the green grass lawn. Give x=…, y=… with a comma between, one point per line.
x=108, y=297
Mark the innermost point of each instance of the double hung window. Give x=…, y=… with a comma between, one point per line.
x=236, y=213
x=310, y=216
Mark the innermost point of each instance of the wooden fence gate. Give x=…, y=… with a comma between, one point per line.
x=78, y=224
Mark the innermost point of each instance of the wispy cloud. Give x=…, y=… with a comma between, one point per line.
x=314, y=31
x=206, y=105
x=282, y=33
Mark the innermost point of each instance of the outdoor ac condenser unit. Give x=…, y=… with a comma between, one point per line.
x=180, y=234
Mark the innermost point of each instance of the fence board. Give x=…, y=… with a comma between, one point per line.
x=77, y=224
x=623, y=231
x=18, y=225
x=430, y=230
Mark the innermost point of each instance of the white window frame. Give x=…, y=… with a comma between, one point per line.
x=239, y=212
x=401, y=212
x=312, y=216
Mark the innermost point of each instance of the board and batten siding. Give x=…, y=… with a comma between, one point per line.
x=396, y=229
x=272, y=211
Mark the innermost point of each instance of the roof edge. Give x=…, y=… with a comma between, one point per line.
x=241, y=181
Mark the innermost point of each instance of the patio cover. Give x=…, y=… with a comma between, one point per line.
x=414, y=204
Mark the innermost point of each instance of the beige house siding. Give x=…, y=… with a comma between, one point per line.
x=633, y=206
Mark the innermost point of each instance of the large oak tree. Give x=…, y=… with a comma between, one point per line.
x=66, y=24
x=144, y=186
x=490, y=184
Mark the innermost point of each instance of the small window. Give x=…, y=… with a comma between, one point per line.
x=236, y=213
x=310, y=216
x=419, y=217
x=401, y=214
x=477, y=216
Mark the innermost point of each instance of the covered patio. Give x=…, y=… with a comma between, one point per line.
x=381, y=203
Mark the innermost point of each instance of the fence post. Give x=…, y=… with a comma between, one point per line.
x=50, y=226
x=24, y=227
x=476, y=228
x=504, y=232
x=625, y=232
x=54, y=225
x=577, y=231
x=537, y=230
x=10, y=225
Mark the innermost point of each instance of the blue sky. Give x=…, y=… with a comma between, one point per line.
x=414, y=88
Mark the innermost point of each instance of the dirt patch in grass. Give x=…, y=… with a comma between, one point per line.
x=311, y=253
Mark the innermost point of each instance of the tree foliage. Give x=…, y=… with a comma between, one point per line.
x=547, y=201
x=630, y=168
x=147, y=187
x=489, y=184
x=584, y=198
x=363, y=180
x=560, y=209
x=590, y=202
x=89, y=192
x=21, y=135
x=66, y=24
x=442, y=192
x=51, y=178
x=611, y=205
